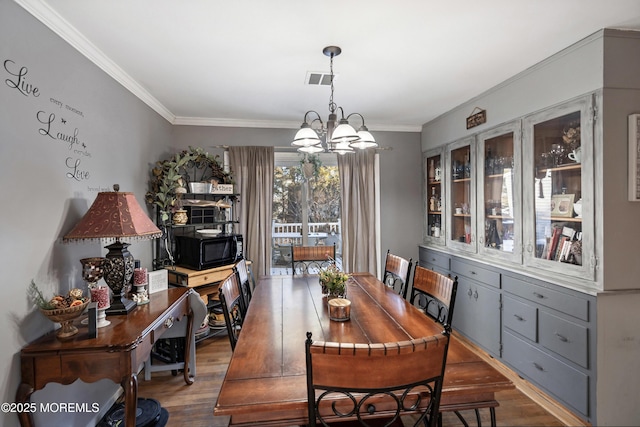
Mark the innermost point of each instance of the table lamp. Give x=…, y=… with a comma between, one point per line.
x=116, y=216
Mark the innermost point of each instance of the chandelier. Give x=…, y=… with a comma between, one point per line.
x=339, y=136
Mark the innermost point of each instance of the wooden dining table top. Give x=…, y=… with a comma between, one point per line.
x=265, y=383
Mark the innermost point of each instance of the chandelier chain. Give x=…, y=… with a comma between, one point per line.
x=332, y=105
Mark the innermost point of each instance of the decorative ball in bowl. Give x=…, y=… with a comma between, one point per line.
x=66, y=316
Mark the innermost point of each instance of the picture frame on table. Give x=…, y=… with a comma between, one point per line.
x=562, y=205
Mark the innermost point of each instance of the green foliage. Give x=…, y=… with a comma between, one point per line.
x=177, y=171
x=324, y=195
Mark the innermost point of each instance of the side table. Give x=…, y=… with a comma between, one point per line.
x=116, y=353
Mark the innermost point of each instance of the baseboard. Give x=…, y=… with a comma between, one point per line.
x=531, y=391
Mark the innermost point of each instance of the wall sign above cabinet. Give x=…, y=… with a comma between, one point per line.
x=476, y=118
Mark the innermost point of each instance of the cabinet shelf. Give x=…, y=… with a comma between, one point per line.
x=435, y=212
x=561, y=219
x=434, y=182
x=562, y=168
x=462, y=215
x=499, y=217
x=457, y=180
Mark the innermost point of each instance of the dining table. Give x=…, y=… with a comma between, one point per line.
x=265, y=383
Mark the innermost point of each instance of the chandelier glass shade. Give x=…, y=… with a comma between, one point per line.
x=339, y=136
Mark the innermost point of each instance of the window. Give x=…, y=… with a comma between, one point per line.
x=306, y=205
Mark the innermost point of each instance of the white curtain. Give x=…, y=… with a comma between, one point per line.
x=252, y=168
x=360, y=251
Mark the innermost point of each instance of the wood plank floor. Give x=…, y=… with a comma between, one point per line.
x=193, y=405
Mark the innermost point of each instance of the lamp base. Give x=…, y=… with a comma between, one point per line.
x=120, y=306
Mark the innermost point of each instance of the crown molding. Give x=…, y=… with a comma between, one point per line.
x=273, y=124
x=50, y=18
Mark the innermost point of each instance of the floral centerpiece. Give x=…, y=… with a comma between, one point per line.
x=333, y=281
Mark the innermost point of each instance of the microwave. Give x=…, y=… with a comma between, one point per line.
x=200, y=252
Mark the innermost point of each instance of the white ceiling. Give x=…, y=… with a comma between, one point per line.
x=244, y=62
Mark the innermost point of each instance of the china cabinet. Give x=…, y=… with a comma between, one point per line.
x=433, y=189
x=461, y=195
x=558, y=189
x=499, y=192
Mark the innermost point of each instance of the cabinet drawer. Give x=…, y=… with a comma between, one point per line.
x=573, y=306
x=520, y=317
x=435, y=259
x=482, y=275
x=560, y=379
x=565, y=338
x=200, y=279
x=170, y=319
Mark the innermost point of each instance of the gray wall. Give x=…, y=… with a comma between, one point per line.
x=400, y=175
x=122, y=137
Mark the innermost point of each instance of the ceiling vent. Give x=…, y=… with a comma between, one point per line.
x=319, y=79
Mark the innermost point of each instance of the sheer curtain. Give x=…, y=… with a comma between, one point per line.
x=360, y=248
x=252, y=169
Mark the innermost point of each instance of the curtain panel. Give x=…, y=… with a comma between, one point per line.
x=252, y=169
x=359, y=236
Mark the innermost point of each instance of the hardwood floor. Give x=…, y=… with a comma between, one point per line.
x=193, y=405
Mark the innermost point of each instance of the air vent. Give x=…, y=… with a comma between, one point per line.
x=319, y=79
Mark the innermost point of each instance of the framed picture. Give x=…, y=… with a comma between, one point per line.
x=634, y=158
x=562, y=205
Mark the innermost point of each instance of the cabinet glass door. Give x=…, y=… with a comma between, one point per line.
x=560, y=189
x=433, y=196
x=461, y=196
x=499, y=192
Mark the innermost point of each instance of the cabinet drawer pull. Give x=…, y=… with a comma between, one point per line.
x=562, y=337
x=538, y=295
x=473, y=272
x=469, y=292
x=169, y=322
x=520, y=318
x=475, y=295
x=538, y=367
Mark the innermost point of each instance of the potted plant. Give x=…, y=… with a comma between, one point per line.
x=333, y=282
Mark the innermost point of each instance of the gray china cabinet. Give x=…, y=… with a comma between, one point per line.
x=499, y=192
x=558, y=188
x=433, y=193
x=519, y=228
x=544, y=242
x=461, y=195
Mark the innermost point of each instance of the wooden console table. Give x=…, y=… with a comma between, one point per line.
x=116, y=353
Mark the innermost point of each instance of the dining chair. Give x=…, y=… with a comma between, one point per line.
x=311, y=259
x=245, y=282
x=407, y=381
x=435, y=294
x=396, y=273
x=179, y=332
x=233, y=307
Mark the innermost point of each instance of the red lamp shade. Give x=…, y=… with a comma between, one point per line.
x=114, y=215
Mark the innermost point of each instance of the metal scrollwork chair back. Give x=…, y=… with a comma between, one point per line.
x=408, y=380
x=232, y=307
x=311, y=259
x=396, y=273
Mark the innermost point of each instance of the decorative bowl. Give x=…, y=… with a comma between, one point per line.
x=65, y=316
